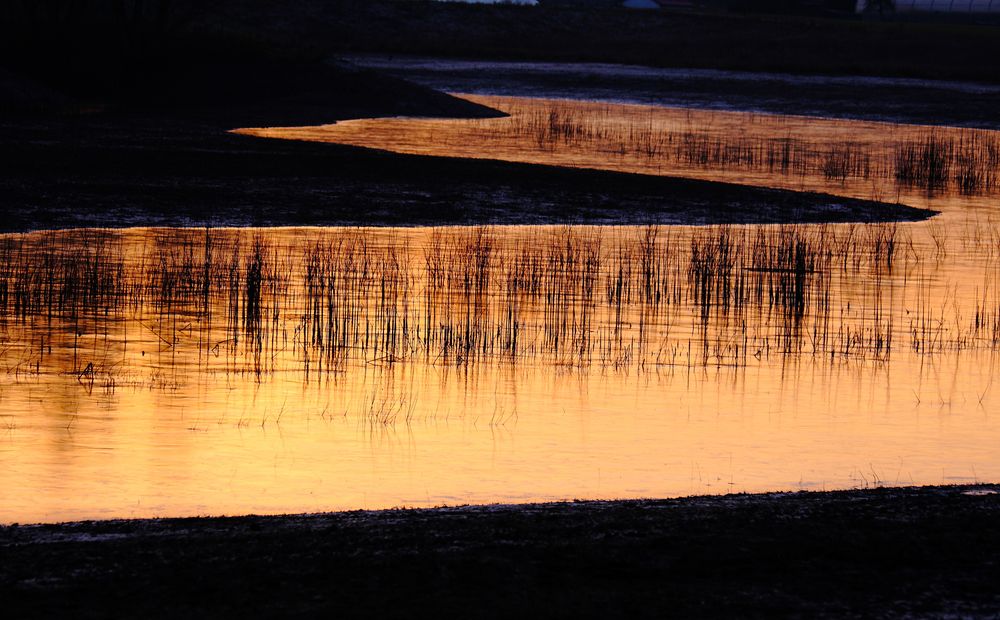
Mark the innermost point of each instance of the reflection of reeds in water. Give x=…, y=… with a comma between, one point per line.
x=93, y=305
x=965, y=160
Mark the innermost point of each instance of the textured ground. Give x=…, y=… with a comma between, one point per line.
x=918, y=552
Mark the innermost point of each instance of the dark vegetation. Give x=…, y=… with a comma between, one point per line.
x=638, y=300
x=927, y=552
x=714, y=40
x=173, y=52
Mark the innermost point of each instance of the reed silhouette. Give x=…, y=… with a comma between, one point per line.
x=97, y=304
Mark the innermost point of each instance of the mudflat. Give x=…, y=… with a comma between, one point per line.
x=887, y=552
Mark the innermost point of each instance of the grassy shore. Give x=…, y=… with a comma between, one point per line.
x=911, y=552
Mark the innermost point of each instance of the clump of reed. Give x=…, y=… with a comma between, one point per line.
x=847, y=161
x=967, y=161
x=55, y=280
x=925, y=163
x=322, y=304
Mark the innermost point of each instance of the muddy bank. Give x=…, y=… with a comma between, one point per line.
x=924, y=552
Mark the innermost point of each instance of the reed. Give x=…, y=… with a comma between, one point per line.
x=208, y=302
x=966, y=161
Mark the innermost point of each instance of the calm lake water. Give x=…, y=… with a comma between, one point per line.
x=156, y=372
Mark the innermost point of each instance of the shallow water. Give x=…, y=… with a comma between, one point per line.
x=395, y=381
x=154, y=372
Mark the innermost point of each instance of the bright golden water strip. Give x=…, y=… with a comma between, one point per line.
x=844, y=157
x=183, y=412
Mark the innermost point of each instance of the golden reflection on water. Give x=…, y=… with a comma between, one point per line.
x=153, y=372
x=175, y=372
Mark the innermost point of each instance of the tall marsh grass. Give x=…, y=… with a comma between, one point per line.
x=105, y=304
x=967, y=161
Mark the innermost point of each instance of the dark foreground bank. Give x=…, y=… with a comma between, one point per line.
x=918, y=552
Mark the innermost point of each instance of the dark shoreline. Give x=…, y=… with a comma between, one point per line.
x=887, y=552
